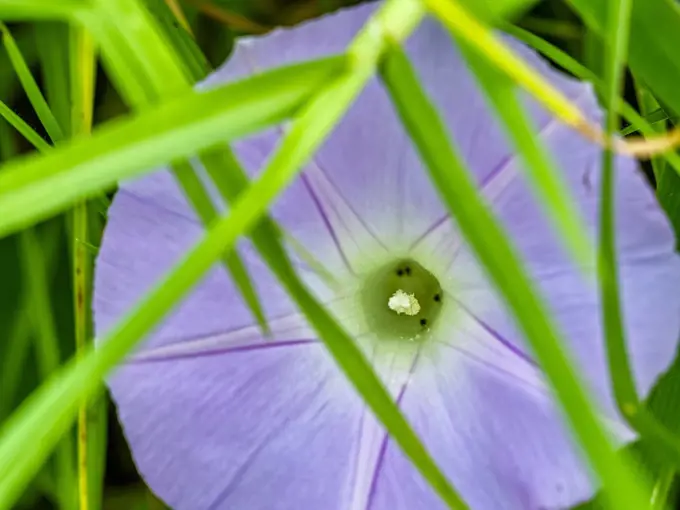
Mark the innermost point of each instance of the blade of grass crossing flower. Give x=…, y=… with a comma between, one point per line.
x=548, y=185
x=33, y=188
x=230, y=179
x=202, y=204
x=47, y=354
x=306, y=133
x=619, y=365
x=502, y=264
x=158, y=60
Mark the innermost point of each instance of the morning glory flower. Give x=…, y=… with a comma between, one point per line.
x=219, y=417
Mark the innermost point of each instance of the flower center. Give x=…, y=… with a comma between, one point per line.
x=401, y=300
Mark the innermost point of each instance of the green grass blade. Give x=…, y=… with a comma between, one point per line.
x=655, y=118
x=207, y=213
x=34, y=188
x=619, y=364
x=40, y=9
x=548, y=185
x=82, y=74
x=47, y=355
x=30, y=86
x=23, y=128
x=506, y=270
x=654, y=31
x=52, y=40
x=195, y=64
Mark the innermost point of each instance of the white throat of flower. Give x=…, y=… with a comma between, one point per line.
x=401, y=302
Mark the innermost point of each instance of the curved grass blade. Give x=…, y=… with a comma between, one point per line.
x=506, y=270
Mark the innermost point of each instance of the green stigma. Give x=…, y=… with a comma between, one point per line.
x=401, y=300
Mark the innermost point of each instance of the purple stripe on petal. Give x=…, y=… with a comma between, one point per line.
x=146, y=358
x=503, y=341
x=327, y=222
x=383, y=447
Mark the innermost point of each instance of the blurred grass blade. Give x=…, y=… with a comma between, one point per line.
x=548, y=185
x=52, y=39
x=34, y=188
x=40, y=9
x=23, y=128
x=625, y=392
x=206, y=211
x=654, y=30
x=194, y=63
x=18, y=340
x=656, y=116
x=30, y=86
x=47, y=353
x=505, y=269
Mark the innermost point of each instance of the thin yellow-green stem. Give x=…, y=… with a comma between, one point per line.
x=580, y=71
x=82, y=64
x=482, y=40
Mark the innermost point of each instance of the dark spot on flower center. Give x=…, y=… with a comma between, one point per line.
x=410, y=279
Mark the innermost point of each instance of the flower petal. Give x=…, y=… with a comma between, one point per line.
x=252, y=429
x=501, y=446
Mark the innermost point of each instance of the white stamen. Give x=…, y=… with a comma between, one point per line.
x=401, y=302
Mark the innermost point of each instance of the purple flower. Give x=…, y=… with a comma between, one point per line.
x=219, y=417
